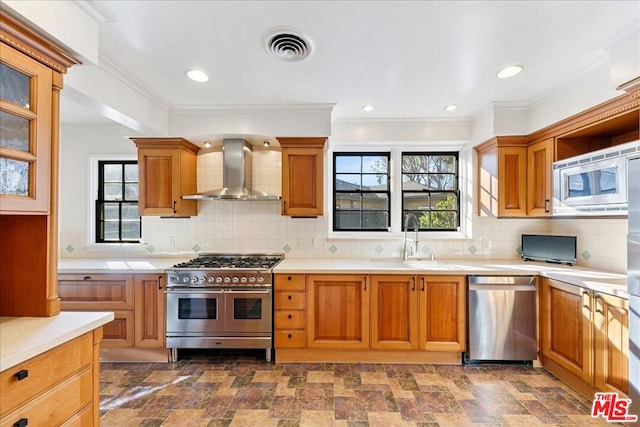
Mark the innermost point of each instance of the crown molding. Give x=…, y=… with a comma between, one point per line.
x=274, y=108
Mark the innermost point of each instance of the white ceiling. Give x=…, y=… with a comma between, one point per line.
x=408, y=58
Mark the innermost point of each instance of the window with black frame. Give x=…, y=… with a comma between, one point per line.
x=117, y=217
x=361, y=193
x=430, y=190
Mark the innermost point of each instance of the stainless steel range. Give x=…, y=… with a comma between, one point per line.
x=221, y=301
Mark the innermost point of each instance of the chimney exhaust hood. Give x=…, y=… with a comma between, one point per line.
x=237, y=158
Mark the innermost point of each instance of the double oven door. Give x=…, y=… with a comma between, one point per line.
x=218, y=312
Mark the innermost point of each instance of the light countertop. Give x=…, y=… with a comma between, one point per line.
x=22, y=338
x=597, y=280
x=116, y=265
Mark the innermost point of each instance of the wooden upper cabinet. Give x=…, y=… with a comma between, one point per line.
x=25, y=144
x=394, y=312
x=539, y=178
x=302, y=176
x=502, y=176
x=31, y=69
x=337, y=311
x=442, y=313
x=167, y=170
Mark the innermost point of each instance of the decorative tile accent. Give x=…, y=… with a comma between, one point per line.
x=425, y=249
x=286, y=249
x=586, y=255
x=379, y=249
x=196, y=248
x=70, y=248
x=333, y=249
x=472, y=249
x=519, y=250
x=150, y=248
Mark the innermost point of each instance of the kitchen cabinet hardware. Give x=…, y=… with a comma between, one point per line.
x=289, y=316
x=423, y=286
x=86, y=278
x=175, y=207
x=21, y=374
x=22, y=422
x=413, y=281
x=289, y=278
x=288, y=335
x=546, y=206
x=159, y=282
x=288, y=297
x=585, y=295
x=365, y=282
x=597, y=303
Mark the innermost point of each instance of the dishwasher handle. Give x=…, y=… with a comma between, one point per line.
x=500, y=287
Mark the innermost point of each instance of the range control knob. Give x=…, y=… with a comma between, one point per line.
x=260, y=279
x=227, y=280
x=211, y=279
x=194, y=279
x=235, y=280
x=219, y=279
x=185, y=279
x=174, y=279
x=243, y=279
x=252, y=279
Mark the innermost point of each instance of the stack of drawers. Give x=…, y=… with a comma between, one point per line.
x=290, y=311
x=54, y=388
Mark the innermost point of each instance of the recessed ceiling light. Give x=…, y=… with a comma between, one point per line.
x=509, y=71
x=207, y=144
x=450, y=107
x=265, y=143
x=197, y=76
x=368, y=108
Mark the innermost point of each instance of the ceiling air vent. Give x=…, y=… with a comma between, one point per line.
x=287, y=44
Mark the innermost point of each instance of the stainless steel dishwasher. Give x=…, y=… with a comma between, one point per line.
x=502, y=318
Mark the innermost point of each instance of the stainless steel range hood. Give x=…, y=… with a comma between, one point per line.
x=236, y=179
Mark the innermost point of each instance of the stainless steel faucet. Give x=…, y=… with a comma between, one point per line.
x=406, y=249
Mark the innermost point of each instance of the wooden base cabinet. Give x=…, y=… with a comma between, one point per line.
x=58, y=387
x=585, y=337
x=337, y=311
x=373, y=318
x=138, y=303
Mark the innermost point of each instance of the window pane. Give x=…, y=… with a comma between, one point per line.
x=112, y=173
x=348, y=201
x=346, y=164
x=130, y=230
x=377, y=201
x=375, y=164
x=442, y=182
x=375, y=220
x=15, y=132
x=130, y=212
x=14, y=177
x=111, y=212
x=111, y=231
x=442, y=163
x=413, y=163
x=348, y=182
x=348, y=220
x=375, y=182
x=131, y=173
x=113, y=191
x=415, y=201
x=442, y=201
x=415, y=181
x=131, y=191
x=444, y=220
x=14, y=86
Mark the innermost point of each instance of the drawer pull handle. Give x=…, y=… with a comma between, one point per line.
x=289, y=316
x=86, y=278
x=22, y=422
x=21, y=374
x=288, y=296
x=288, y=277
x=289, y=336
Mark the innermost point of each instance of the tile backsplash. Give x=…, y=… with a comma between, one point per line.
x=237, y=226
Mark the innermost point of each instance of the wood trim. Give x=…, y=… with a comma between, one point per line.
x=166, y=143
x=302, y=142
x=21, y=37
x=605, y=111
x=293, y=355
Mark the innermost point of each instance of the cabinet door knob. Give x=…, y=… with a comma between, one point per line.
x=21, y=374
x=289, y=316
x=22, y=422
x=288, y=296
x=288, y=277
x=288, y=335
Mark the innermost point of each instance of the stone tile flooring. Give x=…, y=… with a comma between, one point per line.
x=237, y=388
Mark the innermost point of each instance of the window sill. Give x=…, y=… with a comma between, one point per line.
x=388, y=235
x=114, y=247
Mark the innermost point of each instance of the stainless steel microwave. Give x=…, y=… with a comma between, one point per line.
x=593, y=183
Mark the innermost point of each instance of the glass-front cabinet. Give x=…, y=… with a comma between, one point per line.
x=25, y=132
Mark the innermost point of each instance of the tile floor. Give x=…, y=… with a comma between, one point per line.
x=237, y=388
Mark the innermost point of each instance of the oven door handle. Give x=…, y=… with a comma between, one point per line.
x=257, y=291
x=185, y=290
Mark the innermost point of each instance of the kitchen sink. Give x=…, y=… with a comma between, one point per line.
x=422, y=263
